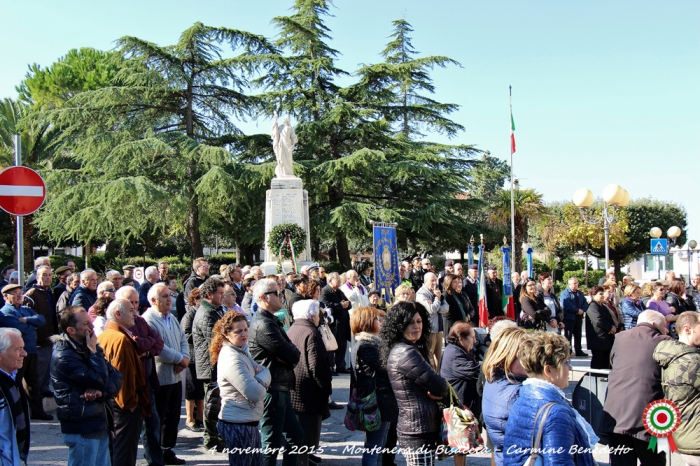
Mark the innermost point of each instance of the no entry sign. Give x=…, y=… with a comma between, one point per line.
x=22, y=191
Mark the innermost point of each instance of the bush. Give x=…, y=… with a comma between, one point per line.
x=571, y=264
x=593, y=277
x=57, y=261
x=331, y=266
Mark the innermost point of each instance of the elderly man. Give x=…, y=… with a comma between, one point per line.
x=334, y=300
x=494, y=292
x=132, y=402
x=234, y=272
x=270, y=346
x=449, y=269
x=42, y=297
x=84, y=383
x=609, y=277
x=115, y=277
x=150, y=278
x=24, y=319
x=129, y=273
x=72, y=284
x=86, y=294
x=680, y=365
x=229, y=299
x=208, y=314
x=38, y=262
x=62, y=274
x=149, y=344
x=172, y=360
x=470, y=286
x=430, y=297
x=574, y=304
x=70, y=264
x=200, y=272
x=256, y=273
x=322, y=278
x=633, y=383
x=14, y=412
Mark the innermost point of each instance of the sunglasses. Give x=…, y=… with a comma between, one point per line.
x=279, y=293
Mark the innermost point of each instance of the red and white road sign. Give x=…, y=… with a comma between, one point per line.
x=22, y=190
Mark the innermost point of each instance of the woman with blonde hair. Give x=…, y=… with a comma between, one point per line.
x=242, y=385
x=504, y=377
x=369, y=375
x=404, y=293
x=545, y=358
x=631, y=306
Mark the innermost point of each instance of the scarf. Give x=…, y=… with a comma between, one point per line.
x=583, y=424
x=351, y=286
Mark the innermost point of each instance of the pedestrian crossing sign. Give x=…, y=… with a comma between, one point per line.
x=659, y=246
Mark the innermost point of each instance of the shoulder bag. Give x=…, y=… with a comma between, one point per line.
x=535, y=459
x=328, y=338
x=460, y=429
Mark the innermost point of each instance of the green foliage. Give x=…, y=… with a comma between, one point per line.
x=296, y=234
x=331, y=266
x=593, y=276
x=57, y=261
x=571, y=263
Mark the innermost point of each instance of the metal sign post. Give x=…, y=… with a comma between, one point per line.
x=20, y=219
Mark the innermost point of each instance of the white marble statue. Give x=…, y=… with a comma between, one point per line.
x=283, y=141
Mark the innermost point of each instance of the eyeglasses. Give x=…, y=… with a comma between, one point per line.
x=279, y=293
x=109, y=290
x=229, y=294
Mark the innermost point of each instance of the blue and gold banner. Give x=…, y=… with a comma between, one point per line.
x=530, y=268
x=470, y=254
x=386, y=259
x=507, y=283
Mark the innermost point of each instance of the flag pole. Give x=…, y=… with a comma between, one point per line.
x=512, y=185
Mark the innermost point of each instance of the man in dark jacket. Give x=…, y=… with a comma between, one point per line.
x=415, y=276
x=38, y=262
x=470, y=286
x=72, y=284
x=573, y=303
x=62, y=274
x=200, y=272
x=209, y=313
x=86, y=294
x=270, y=346
x=84, y=382
x=494, y=292
x=42, y=296
x=633, y=383
x=334, y=299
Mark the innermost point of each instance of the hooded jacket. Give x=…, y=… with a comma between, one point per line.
x=242, y=390
x=680, y=365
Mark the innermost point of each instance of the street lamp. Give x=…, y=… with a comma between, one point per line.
x=692, y=244
x=673, y=233
x=613, y=196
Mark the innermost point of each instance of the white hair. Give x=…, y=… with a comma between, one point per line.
x=349, y=274
x=262, y=286
x=5, y=340
x=151, y=271
x=153, y=292
x=652, y=317
x=125, y=291
x=117, y=305
x=305, y=309
x=86, y=273
x=39, y=261
x=304, y=269
x=103, y=285
x=572, y=278
x=333, y=275
x=500, y=326
x=111, y=273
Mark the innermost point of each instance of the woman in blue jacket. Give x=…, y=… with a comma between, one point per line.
x=504, y=377
x=631, y=306
x=567, y=439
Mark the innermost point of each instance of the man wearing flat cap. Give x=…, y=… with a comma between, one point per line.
x=62, y=274
x=129, y=273
x=494, y=290
x=449, y=268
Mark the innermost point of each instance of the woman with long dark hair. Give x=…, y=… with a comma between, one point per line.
x=460, y=307
x=547, y=297
x=417, y=387
x=534, y=313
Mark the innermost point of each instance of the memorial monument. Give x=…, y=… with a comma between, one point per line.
x=286, y=200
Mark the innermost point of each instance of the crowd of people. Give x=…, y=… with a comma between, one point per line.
x=256, y=356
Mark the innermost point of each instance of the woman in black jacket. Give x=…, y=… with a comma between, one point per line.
x=534, y=313
x=602, y=324
x=416, y=385
x=547, y=297
x=369, y=375
x=461, y=369
x=194, y=395
x=675, y=297
x=460, y=308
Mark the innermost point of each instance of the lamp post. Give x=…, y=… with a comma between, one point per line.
x=673, y=233
x=692, y=244
x=613, y=196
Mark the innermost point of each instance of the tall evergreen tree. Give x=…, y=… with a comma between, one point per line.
x=144, y=144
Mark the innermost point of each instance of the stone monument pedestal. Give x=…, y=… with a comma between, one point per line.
x=286, y=202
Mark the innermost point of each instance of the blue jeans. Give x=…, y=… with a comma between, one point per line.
x=375, y=440
x=87, y=451
x=150, y=435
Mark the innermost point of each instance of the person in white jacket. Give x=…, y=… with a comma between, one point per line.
x=358, y=296
x=174, y=358
x=430, y=297
x=243, y=384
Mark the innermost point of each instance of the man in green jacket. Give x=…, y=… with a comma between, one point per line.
x=680, y=364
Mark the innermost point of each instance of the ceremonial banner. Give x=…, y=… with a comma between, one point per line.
x=386, y=259
x=508, y=305
x=483, y=307
x=530, y=267
x=470, y=255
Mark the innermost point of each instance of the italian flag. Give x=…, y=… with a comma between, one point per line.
x=512, y=131
x=483, y=309
x=508, y=304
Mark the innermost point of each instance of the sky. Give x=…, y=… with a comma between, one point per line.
x=603, y=92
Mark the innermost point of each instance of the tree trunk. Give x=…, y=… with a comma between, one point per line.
x=586, y=265
x=343, y=252
x=517, y=253
x=88, y=253
x=193, y=226
x=333, y=253
x=237, y=251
